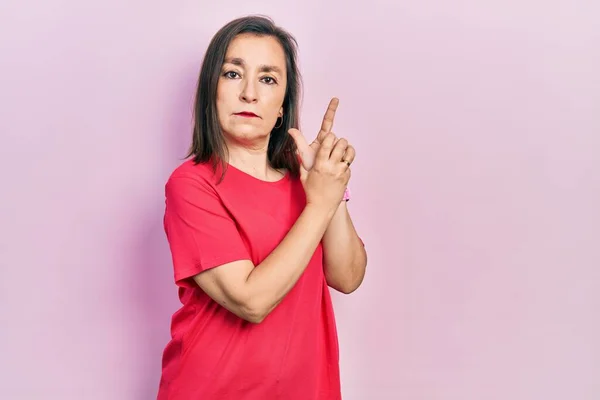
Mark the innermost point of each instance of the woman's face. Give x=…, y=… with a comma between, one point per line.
x=251, y=89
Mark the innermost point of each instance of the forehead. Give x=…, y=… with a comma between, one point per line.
x=257, y=50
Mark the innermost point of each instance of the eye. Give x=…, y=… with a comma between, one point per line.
x=269, y=80
x=230, y=74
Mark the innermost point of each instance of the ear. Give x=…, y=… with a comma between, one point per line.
x=281, y=112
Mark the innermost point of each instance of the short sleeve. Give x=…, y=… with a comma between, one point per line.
x=200, y=231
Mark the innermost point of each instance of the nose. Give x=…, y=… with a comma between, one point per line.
x=248, y=94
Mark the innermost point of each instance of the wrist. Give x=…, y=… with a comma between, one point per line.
x=320, y=212
x=317, y=210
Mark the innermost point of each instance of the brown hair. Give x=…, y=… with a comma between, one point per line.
x=208, y=143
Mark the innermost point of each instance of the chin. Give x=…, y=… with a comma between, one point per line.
x=248, y=133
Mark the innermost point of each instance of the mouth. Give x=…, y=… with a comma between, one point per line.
x=246, y=114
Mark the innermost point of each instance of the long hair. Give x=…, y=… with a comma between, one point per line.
x=208, y=142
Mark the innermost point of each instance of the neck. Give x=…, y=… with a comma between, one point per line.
x=253, y=160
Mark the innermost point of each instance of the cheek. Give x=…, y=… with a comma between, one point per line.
x=220, y=98
x=221, y=102
x=276, y=101
x=280, y=99
x=226, y=92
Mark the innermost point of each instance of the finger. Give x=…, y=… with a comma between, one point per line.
x=335, y=138
x=326, y=147
x=316, y=143
x=303, y=173
x=328, y=118
x=299, y=138
x=349, y=156
x=302, y=145
x=338, y=150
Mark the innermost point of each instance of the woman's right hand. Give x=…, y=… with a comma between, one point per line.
x=326, y=181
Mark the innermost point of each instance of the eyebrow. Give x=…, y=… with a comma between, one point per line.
x=263, y=68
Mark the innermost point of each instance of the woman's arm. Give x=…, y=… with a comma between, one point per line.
x=252, y=292
x=345, y=257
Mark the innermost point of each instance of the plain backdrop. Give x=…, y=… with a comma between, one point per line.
x=476, y=189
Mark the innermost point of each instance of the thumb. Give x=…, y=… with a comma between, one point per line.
x=301, y=143
x=305, y=151
x=303, y=173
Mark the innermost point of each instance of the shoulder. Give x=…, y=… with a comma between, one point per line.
x=190, y=177
x=189, y=169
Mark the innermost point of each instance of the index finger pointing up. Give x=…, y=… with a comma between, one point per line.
x=328, y=118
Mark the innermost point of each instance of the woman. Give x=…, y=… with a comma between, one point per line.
x=258, y=229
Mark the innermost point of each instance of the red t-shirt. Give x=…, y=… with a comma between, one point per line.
x=213, y=354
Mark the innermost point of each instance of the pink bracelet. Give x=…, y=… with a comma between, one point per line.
x=346, y=195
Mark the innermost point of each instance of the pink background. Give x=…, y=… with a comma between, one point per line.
x=476, y=189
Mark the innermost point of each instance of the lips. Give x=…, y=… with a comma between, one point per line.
x=247, y=114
